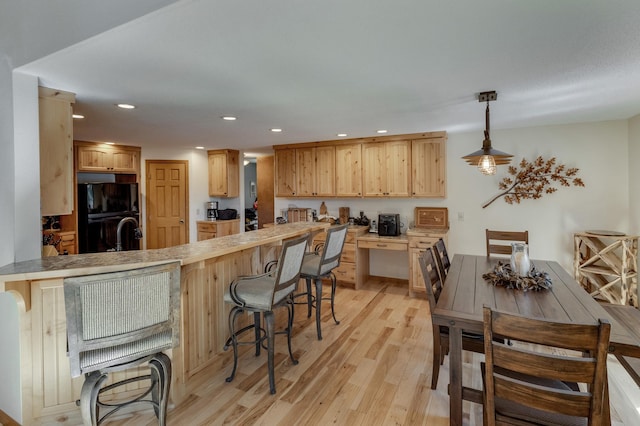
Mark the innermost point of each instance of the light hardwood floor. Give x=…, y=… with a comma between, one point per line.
x=372, y=369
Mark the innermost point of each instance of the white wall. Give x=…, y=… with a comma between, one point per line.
x=634, y=175
x=599, y=150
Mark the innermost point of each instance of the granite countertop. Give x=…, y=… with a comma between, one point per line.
x=94, y=263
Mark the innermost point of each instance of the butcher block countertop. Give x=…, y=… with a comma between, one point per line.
x=94, y=263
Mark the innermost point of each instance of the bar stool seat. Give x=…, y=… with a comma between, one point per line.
x=261, y=294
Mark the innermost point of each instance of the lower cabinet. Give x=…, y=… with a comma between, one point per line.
x=419, y=241
x=210, y=229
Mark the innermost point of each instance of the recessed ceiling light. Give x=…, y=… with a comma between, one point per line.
x=78, y=116
x=341, y=135
x=229, y=118
x=276, y=130
x=110, y=143
x=126, y=106
x=199, y=147
x=381, y=131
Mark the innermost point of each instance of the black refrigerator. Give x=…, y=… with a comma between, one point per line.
x=101, y=207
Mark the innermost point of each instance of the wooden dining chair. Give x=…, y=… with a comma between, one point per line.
x=442, y=258
x=525, y=383
x=433, y=284
x=506, y=238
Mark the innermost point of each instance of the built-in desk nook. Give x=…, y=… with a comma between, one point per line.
x=207, y=268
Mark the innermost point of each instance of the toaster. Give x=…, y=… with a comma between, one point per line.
x=389, y=225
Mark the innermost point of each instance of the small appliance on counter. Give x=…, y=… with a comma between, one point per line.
x=373, y=229
x=212, y=210
x=389, y=225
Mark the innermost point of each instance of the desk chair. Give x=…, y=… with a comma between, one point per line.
x=261, y=294
x=524, y=385
x=117, y=321
x=318, y=265
x=510, y=236
x=433, y=284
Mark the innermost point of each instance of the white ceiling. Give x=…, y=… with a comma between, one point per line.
x=318, y=68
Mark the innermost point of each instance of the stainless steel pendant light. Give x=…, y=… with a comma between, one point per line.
x=487, y=158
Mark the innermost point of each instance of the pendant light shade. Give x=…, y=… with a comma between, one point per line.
x=487, y=158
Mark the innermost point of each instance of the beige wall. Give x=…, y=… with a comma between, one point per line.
x=634, y=175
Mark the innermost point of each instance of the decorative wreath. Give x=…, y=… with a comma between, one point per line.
x=503, y=275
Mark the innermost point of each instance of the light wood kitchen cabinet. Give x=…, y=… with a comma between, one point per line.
x=349, y=170
x=315, y=171
x=386, y=169
x=285, y=173
x=215, y=229
x=224, y=173
x=428, y=174
x=56, y=151
x=419, y=240
x=105, y=158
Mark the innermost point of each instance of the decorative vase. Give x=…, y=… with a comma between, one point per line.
x=520, y=263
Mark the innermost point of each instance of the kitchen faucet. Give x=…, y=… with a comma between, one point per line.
x=137, y=231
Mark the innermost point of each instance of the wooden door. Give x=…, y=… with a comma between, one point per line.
x=428, y=168
x=305, y=172
x=348, y=170
x=373, y=166
x=264, y=176
x=167, y=203
x=218, y=183
x=285, y=173
x=398, y=178
x=325, y=171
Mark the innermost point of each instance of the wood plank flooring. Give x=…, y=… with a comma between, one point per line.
x=374, y=368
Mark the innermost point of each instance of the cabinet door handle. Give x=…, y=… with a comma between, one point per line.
x=381, y=245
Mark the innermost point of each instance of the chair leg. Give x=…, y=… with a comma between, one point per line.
x=309, y=297
x=160, y=366
x=318, y=307
x=437, y=356
x=333, y=297
x=257, y=325
x=89, y=397
x=269, y=322
x=289, y=332
x=235, y=311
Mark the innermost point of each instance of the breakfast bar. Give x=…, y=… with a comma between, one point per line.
x=207, y=268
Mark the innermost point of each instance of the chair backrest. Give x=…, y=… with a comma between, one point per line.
x=118, y=317
x=509, y=236
x=442, y=258
x=431, y=277
x=332, y=250
x=289, y=264
x=520, y=372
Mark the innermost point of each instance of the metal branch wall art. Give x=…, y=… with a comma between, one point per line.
x=534, y=179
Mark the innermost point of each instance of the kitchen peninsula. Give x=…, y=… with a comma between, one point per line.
x=207, y=267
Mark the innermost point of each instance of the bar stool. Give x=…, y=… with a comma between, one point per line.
x=261, y=294
x=317, y=266
x=121, y=320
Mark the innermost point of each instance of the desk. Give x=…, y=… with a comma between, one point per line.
x=465, y=293
x=375, y=241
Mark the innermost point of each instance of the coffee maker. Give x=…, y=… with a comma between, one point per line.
x=212, y=210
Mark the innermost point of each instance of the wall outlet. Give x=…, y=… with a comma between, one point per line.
x=460, y=216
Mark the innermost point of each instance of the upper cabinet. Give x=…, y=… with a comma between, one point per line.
x=315, y=171
x=386, y=169
x=349, y=170
x=428, y=167
x=391, y=166
x=104, y=158
x=56, y=151
x=224, y=173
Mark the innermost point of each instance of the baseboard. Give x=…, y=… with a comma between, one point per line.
x=5, y=420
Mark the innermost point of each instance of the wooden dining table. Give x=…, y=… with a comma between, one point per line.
x=465, y=293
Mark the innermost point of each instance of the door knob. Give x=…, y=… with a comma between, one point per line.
x=181, y=221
